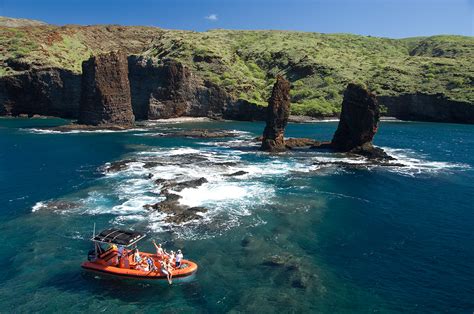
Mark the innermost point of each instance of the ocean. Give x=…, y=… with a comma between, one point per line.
x=295, y=233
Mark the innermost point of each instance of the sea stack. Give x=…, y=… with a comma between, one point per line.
x=105, y=91
x=358, y=123
x=278, y=111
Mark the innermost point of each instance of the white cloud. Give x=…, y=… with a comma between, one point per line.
x=211, y=17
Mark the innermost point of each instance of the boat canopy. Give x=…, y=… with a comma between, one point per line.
x=118, y=237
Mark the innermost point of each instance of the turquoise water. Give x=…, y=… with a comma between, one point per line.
x=348, y=239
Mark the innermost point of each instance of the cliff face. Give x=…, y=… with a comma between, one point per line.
x=243, y=63
x=169, y=89
x=105, y=94
x=425, y=107
x=278, y=112
x=158, y=90
x=50, y=92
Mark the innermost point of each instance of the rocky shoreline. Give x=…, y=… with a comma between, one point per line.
x=169, y=89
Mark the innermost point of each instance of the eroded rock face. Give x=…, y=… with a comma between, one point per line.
x=278, y=112
x=358, y=124
x=168, y=89
x=359, y=119
x=47, y=92
x=428, y=107
x=105, y=94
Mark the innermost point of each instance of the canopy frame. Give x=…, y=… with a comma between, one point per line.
x=125, y=238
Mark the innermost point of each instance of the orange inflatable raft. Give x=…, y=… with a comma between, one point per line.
x=121, y=264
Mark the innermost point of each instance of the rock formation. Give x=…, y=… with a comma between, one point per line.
x=428, y=107
x=358, y=123
x=47, y=92
x=105, y=93
x=278, y=112
x=168, y=89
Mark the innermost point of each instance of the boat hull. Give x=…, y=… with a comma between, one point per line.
x=187, y=269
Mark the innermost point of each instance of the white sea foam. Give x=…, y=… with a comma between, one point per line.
x=49, y=131
x=416, y=163
x=228, y=198
x=38, y=206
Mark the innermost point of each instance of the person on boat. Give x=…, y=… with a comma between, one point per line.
x=171, y=257
x=170, y=270
x=164, y=270
x=179, y=258
x=120, y=252
x=159, y=250
x=136, y=257
x=151, y=264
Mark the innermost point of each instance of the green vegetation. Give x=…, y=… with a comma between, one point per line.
x=245, y=63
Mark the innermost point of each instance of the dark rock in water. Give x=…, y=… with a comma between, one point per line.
x=151, y=164
x=200, y=133
x=187, y=214
x=235, y=174
x=370, y=151
x=178, y=213
x=117, y=166
x=84, y=127
x=160, y=181
x=300, y=142
x=179, y=186
x=105, y=94
x=296, y=270
x=358, y=124
x=278, y=112
x=359, y=119
x=149, y=175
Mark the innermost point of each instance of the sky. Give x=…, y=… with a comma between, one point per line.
x=385, y=18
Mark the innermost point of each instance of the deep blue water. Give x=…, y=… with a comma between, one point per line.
x=352, y=239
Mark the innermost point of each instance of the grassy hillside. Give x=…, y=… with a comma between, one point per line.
x=246, y=62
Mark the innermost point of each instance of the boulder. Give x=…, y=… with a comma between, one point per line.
x=105, y=93
x=278, y=112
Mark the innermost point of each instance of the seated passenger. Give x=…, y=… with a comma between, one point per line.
x=151, y=264
x=136, y=257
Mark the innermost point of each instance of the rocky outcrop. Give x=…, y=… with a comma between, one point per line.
x=278, y=112
x=358, y=124
x=105, y=93
x=428, y=107
x=47, y=92
x=359, y=119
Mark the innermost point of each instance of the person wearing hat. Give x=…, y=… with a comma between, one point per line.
x=179, y=258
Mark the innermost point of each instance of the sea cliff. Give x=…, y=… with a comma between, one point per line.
x=230, y=74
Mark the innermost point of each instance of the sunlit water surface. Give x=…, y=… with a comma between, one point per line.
x=291, y=234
